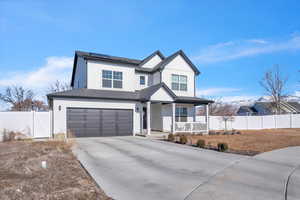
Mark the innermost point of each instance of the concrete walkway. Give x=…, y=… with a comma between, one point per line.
x=137, y=168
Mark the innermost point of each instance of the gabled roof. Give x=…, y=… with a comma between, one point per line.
x=145, y=94
x=142, y=95
x=295, y=105
x=246, y=109
x=167, y=60
x=157, y=52
x=134, y=62
x=104, y=57
x=96, y=94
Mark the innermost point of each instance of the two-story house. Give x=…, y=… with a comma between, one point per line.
x=116, y=96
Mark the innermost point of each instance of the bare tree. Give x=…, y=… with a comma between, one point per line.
x=59, y=87
x=18, y=97
x=218, y=108
x=274, y=84
x=22, y=99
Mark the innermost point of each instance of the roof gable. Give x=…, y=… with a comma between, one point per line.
x=147, y=93
x=169, y=59
x=152, y=60
x=161, y=95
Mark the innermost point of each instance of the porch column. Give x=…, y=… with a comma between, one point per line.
x=207, y=117
x=195, y=114
x=148, y=118
x=141, y=118
x=173, y=117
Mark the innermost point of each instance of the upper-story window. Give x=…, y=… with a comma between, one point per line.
x=112, y=79
x=142, y=80
x=179, y=82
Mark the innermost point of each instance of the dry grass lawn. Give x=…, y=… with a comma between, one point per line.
x=253, y=141
x=22, y=177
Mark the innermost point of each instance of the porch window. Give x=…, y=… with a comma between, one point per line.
x=179, y=82
x=181, y=114
x=112, y=79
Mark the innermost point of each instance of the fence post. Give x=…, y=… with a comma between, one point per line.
x=262, y=122
x=247, y=122
x=33, y=113
x=275, y=122
x=291, y=120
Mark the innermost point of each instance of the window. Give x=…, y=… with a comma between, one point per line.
x=179, y=82
x=112, y=79
x=142, y=80
x=181, y=114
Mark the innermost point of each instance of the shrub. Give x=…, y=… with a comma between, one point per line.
x=201, y=143
x=171, y=137
x=211, y=133
x=238, y=132
x=222, y=147
x=183, y=139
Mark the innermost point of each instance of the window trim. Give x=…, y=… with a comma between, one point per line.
x=180, y=115
x=144, y=83
x=112, y=79
x=179, y=82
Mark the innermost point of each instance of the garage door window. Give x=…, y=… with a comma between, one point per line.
x=112, y=79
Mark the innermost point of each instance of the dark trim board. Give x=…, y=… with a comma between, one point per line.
x=100, y=124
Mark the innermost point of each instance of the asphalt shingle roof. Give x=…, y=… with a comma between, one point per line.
x=142, y=95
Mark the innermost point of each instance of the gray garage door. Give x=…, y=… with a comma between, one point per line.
x=84, y=122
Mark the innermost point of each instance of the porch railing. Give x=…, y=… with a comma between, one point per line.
x=190, y=127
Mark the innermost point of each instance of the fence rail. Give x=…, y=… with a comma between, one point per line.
x=253, y=122
x=190, y=127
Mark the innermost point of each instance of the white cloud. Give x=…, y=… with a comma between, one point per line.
x=258, y=41
x=39, y=79
x=237, y=49
x=216, y=91
x=297, y=93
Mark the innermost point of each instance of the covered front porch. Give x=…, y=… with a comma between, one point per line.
x=161, y=110
x=172, y=117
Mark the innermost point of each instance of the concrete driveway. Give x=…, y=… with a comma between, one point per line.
x=130, y=168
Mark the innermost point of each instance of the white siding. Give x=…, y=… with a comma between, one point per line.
x=60, y=121
x=156, y=78
x=148, y=80
x=180, y=67
x=80, y=74
x=94, y=70
x=161, y=95
x=152, y=62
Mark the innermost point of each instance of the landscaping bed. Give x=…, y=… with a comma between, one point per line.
x=248, y=142
x=23, y=177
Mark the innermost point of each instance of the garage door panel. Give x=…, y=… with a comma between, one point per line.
x=85, y=122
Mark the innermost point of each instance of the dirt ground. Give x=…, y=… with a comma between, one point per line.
x=22, y=177
x=252, y=142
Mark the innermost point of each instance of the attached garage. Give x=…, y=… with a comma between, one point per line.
x=94, y=122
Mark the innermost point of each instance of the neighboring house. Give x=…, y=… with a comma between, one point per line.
x=246, y=110
x=268, y=108
x=115, y=96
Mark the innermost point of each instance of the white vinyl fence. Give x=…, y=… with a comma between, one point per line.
x=33, y=124
x=253, y=122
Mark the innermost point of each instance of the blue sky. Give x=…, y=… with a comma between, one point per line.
x=232, y=42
